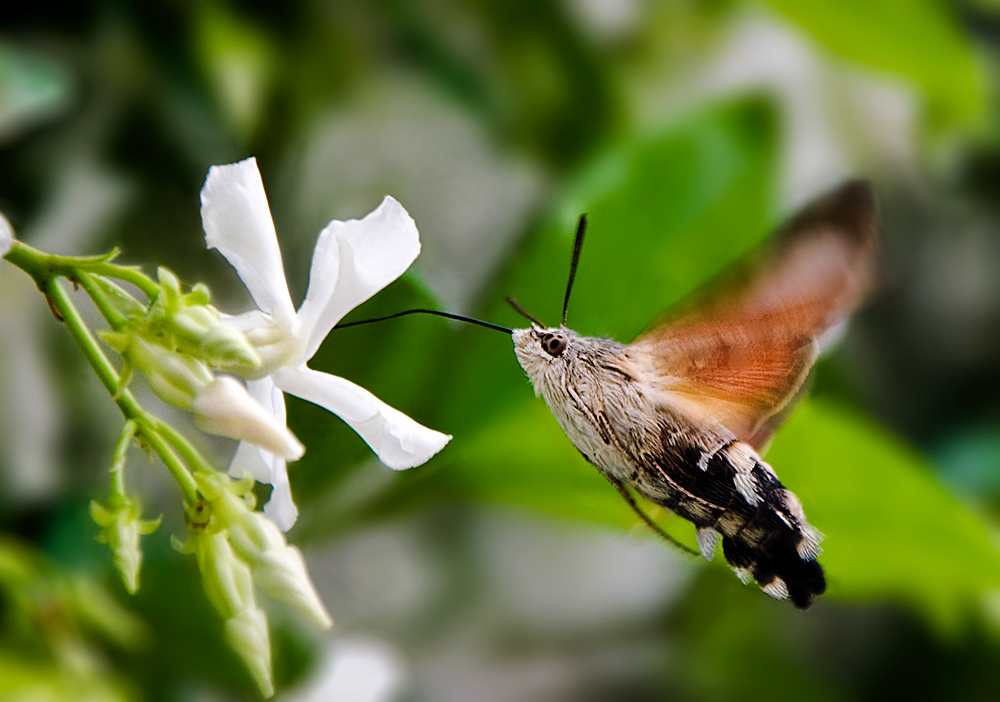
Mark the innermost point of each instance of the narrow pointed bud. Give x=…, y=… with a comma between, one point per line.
x=176, y=379
x=278, y=569
x=121, y=529
x=247, y=634
x=188, y=324
x=220, y=405
x=229, y=586
x=223, y=407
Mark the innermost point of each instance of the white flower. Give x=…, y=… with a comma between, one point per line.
x=6, y=235
x=356, y=669
x=353, y=260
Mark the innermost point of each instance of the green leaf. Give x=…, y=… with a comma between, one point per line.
x=892, y=530
x=666, y=212
x=924, y=44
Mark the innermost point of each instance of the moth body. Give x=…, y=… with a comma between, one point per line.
x=683, y=413
x=610, y=408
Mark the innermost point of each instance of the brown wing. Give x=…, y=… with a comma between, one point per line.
x=738, y=351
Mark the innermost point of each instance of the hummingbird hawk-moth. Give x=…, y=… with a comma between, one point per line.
x=683, y=414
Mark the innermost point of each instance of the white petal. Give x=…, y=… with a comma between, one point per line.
x=281, y=509
x=237, y=222
x=398, y=441
x=263, y=466
x=246, y=321
x=252, y=461
x=353, y=260
x=6, y=235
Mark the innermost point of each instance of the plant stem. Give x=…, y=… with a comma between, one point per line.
x=115, y=320
x=147, y=425
x=42, y=266
x=118, y=496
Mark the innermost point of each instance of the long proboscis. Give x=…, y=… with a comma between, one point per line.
x=437, y=313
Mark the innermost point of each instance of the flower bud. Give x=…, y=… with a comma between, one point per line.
x=247, y=634
x=220, y=405
x=278, y=569
x=229, y=586
x=121, y=530
x=176, y=379
x=188, y=324
x=223, y=407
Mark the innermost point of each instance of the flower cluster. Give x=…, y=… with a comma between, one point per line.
x=237, y=548
x=231, y=373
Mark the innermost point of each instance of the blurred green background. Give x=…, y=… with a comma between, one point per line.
x=506, y=569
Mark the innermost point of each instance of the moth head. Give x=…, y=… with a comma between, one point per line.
x=543, y=350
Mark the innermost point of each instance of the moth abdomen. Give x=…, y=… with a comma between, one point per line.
x=776, y=566
x=729, y=492
x=774, y=544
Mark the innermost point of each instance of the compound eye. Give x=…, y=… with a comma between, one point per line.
x=554, y=344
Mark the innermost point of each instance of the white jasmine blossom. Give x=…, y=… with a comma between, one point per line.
x=6, y=235
x=352, y=261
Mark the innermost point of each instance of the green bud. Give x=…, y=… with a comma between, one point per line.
x=278, y=569
x=247, y=634
x=169, y=282
x=175, y=378
x=199, y=295
x=229, y=586
x=188, y=324
x=220, y=405
x=121, y=529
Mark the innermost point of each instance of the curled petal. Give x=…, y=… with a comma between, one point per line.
x=398, y=441
x=251, y=461
x=353, y=260
x=265, y=467
x=237, y=222
x=281, y=508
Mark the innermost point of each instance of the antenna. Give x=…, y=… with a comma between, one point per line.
x=581, y=229
x=521, y=311
x=437, y=313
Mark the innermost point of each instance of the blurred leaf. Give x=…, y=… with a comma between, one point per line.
x=32, y=89
x=683, y=203
x=925, y=44
x=239, y=62
x=25, y=680
x=892, y=530
x=970, y=461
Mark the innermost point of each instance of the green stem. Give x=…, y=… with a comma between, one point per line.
x=147, y=425
x=42, y=266
x=184, y=447
x=118, y=497
x=115, y=320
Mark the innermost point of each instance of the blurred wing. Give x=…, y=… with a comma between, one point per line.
x=739, y=351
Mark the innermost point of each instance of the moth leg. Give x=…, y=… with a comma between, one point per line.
x=623, y=491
